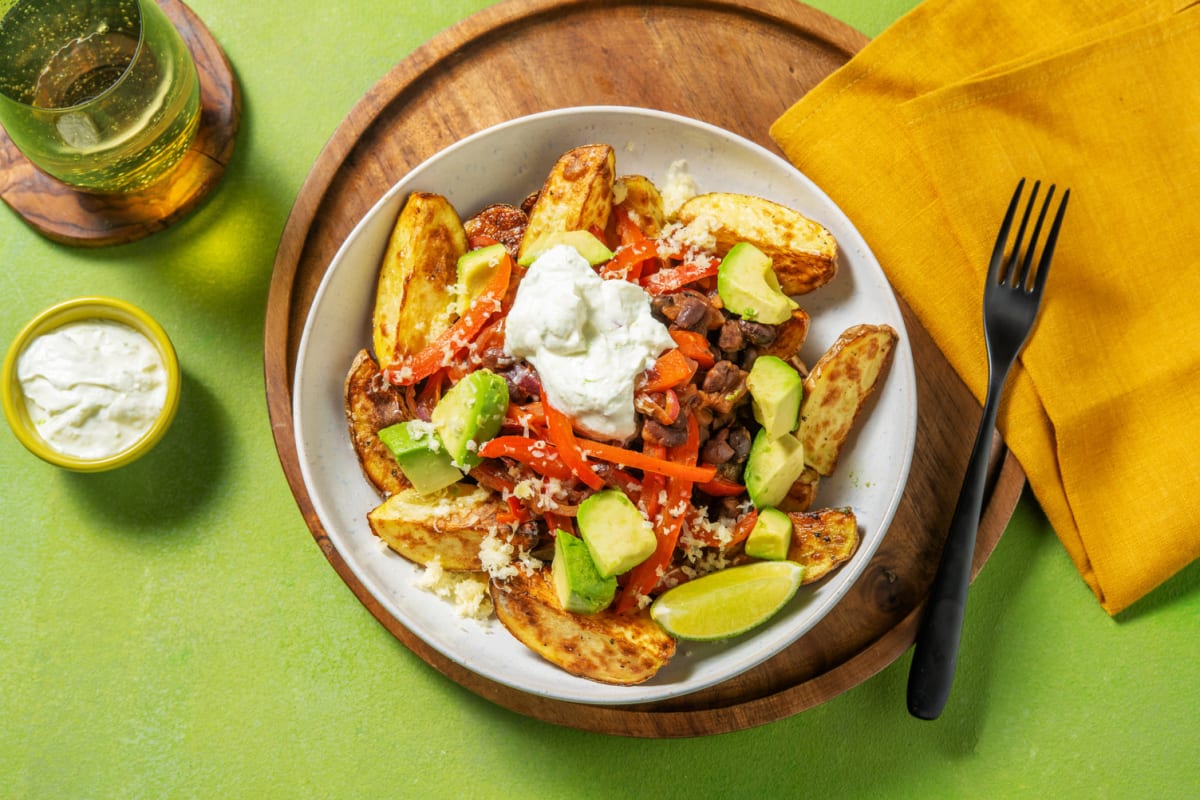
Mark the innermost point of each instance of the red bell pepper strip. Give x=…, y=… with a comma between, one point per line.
x=515, y=514
x=666, y=281
x=670, y=370
x=653, y=483
x=539, y=456
x=525, y=417
x=668, y=524
x=431, y=393
x=631, y=486
x=479, y=241
x=694, y=346
x=628, y=260
x=409, y=369
x=721, y=487
x=569, y=448
x=670, y=466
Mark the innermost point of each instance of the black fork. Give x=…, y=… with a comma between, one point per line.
x=1011, y=299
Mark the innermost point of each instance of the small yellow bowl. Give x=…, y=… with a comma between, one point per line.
x=78, y=310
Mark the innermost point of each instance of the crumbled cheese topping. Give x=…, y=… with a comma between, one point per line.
x=466, y=591
x=679, y=188
x=497, y=555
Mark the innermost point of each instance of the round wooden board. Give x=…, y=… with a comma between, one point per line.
x=738, y=65
x=68, y=216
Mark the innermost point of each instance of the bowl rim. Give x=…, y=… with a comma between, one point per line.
x=75, y=310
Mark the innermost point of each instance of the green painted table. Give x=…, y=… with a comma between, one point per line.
x=171, y=630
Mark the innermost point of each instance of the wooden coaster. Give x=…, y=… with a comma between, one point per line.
x=71, y=217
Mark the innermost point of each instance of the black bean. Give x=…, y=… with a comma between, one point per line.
x=756, y=333
x=731, y=339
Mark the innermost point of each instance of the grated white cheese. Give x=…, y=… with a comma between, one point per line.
x=466, y=591
x=679, y=187
x=496, y=555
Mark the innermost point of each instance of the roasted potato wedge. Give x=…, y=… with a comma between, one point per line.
x=414, y=299
x=802, y=252
x=789, y=336
x=448, y=526
x=639, y=195
x=803, y=493
x=372, y=403
x=500, y=221
x=605, y=647
x=836, y=388
x=821, y=540
x=577, y=195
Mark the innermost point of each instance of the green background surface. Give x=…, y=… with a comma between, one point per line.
x=171, y=630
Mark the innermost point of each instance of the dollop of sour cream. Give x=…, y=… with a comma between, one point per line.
x=92, y=388
x=588, y=338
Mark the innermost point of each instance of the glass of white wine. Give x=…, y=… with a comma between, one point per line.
x=102, y=95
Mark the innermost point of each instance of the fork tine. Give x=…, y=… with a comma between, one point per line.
x=1021, y=281
x=1051, y=240
x=1009, y=276
x=996, y=266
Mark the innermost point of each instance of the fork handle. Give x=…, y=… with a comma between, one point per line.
x=936, y=649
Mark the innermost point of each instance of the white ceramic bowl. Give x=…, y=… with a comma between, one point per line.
x=504, y=164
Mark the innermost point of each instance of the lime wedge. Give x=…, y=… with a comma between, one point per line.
x=727, y=603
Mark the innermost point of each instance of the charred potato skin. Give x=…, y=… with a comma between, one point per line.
x=502, y=222
x=803, y=492
x=577, y=194
x=836, y=389
x=373, y=404
x=803, y=253
x=448, y=527
x=606, y=647
x=822, y=540
x=789, y=336
x=415, y=292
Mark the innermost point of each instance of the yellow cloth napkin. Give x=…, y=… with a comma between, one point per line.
x=921, y=139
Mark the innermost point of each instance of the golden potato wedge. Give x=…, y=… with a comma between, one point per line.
x=414, y=299
x=577, y=195
x=803, y=493
x=639, y=195
x=821, y=540
x=448, y=526
x=372, y=403
x=802, y=252
x=605, y=647
x=789, y=336
x=836, y=388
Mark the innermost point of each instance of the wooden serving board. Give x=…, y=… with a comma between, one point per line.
x=736, y=64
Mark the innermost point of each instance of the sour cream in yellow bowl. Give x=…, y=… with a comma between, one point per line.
x=91, y=384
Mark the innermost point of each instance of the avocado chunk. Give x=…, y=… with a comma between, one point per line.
x=419, y=452
x=580, y=587
x=474, y=270
x=469, y=414
x=771, y=535
x=749, y=287
x=772, y=467
x=587, y=245
x=776, y=390
x=617, y=535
